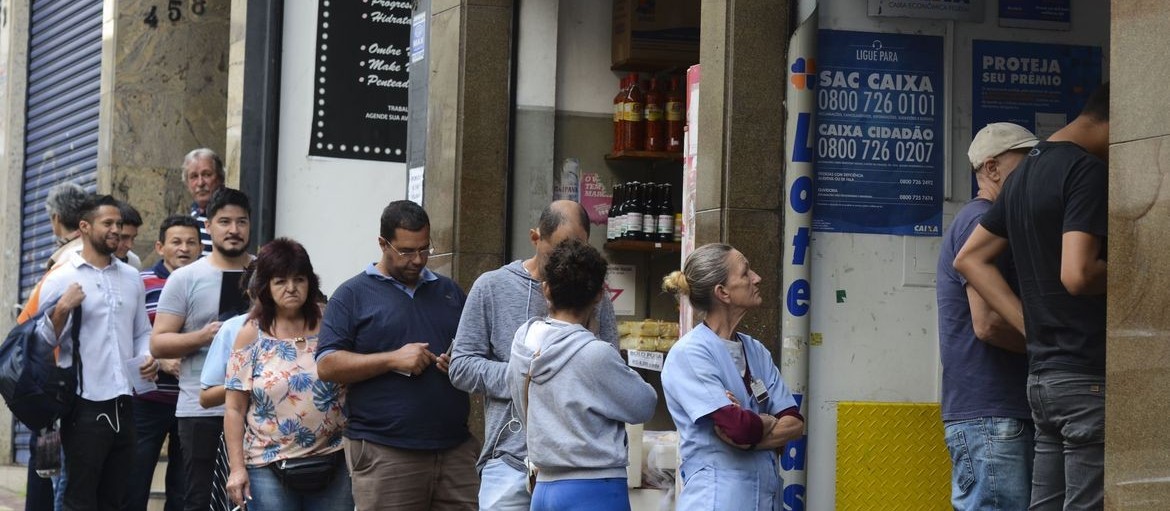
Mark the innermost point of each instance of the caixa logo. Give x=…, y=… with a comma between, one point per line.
x=925, y=229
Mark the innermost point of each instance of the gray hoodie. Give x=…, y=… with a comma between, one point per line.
x=580, y=398
x=500, y=301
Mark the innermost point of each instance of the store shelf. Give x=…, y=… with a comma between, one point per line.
x=644, y=246
x=645, y=155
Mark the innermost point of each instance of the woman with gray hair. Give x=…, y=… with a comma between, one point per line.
x=63, y=204
x=725, y=395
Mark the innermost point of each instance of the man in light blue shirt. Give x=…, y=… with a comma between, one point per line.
x=98, y=435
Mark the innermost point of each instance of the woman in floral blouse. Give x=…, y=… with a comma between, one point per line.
x=282, y=425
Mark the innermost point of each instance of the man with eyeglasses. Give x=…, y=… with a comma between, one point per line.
x=386, y=335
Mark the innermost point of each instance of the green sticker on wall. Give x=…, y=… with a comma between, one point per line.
x=840, y=296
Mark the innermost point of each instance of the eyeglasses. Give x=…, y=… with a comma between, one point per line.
x=411, y=254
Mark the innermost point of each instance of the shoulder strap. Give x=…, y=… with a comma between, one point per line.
x=76, y=331
x=527, y=423
x=528, y=382
x=747, y=366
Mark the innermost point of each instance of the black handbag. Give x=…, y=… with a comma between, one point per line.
x=307, y=475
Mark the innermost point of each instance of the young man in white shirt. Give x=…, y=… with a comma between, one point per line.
x=98, y=434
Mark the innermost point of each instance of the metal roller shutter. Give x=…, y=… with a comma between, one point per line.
x=61, y=129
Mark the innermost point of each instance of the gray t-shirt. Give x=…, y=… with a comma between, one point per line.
x=736, y=350
x=193, y=292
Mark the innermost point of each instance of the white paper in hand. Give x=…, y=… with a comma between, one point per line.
x=141, y=385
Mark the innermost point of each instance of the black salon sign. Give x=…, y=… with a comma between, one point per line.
x=360, y=87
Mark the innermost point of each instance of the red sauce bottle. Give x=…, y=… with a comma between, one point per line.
x=655, y=124
x=634, y=116
x=676, y=116
x=617, y=115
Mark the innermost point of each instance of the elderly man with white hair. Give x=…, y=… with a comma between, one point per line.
x=203, y=174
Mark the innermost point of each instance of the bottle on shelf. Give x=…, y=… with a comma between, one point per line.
x=633, y=208
x=655, y=123
x=649, y=212
x=675, y=113
x=611, y=223
x=665, y=213
x=633, y=123
x=617, y=114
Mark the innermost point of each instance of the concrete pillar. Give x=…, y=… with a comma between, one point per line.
x=469, y=107
x=742, y=51
x=14, y=20
x=1137, y=462
x=469, y=111
x=163, y=93
x=234, y=106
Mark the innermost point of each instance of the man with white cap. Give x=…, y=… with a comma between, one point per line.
x=985, y=412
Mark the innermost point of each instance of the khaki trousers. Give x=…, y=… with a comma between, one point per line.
x=387, y=478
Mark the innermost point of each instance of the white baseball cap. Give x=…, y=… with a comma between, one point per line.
x=997, y=138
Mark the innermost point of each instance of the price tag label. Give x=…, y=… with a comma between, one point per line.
x=651, y=360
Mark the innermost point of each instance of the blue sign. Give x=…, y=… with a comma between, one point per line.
x=1051, y=14
x=418, y=38
x=1038, y=86
x=880, y=150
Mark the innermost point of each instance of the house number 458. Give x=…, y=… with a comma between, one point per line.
x=174, y=11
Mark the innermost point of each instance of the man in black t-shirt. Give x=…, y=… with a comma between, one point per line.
x=1053, y=212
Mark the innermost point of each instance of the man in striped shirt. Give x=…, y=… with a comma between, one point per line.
x=203, y=174
x=154, y=412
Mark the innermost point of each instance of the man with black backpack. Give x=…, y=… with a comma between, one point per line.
x=98, y=434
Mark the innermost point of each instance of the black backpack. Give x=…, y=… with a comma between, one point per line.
x=34, y=388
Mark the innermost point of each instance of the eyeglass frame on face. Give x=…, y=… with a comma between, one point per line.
x=423, y=252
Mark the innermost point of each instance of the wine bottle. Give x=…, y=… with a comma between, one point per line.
x=649, y=212
x=633, y=212
x=665, y=213
x=611, y=224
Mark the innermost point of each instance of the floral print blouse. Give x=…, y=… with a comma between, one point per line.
x=292, y=414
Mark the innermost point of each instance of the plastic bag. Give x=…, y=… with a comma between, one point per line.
x=660, y=463
x=47, y=457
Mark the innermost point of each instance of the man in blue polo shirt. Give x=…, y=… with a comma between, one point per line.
x=385, y=335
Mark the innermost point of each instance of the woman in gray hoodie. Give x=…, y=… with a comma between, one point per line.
x=574, y=393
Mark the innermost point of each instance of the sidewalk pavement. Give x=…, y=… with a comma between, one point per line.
x=12, y=479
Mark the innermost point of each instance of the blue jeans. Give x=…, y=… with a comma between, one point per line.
x=582, y=495
x=268, y=493
x=501, y=488
x=60, y=481
x=153, y=423
x=991, y=463
x=1069, y=410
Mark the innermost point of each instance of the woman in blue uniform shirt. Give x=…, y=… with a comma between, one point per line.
x=732, y=410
